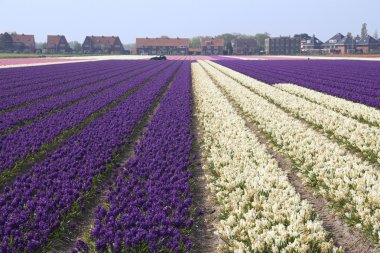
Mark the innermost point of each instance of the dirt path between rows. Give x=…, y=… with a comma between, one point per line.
x=206, y=212
x=351, y=239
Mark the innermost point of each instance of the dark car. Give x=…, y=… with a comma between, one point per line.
x=161, y=57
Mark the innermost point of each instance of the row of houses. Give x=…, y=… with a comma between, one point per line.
x=23, y=43
x=178, y=46
x=298, y=44
x=17, y=42
x=305, y=44
x=112, y=45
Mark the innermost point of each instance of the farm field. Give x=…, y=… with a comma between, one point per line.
x=192, y=154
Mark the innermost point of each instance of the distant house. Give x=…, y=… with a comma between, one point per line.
x=57, y=44
x=212, y=46
x=367, y=45
x=6, y=43
x=304, y=37
x=23, y=43
x=102, y=45
x=312, y=46
x=165, y=46
x=330, y=45
x=346, y=45
x=244, y=46
x=283, y=45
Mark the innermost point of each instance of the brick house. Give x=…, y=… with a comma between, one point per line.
x=211, y=46
x=312, y=45
x=102, y=45
x=346, y=45
x=304, y=37
x=367, y=45
x=283, y=45
x=57, y=44
x=330, y=45
x=244, y=46
x=164, y=46
x=23, y=43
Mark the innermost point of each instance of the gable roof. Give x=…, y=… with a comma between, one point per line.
x=206, y=41
x=313, y=41
x=103, y=40
x=162, y=42
x=368, y=40
x=348, y=40
x=302, y=36
x=22, y=38
x=337, y=37
x=54, y=40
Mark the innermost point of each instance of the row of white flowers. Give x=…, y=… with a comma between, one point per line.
x=345, y=107
x=348, y=182
x=362, y=136
x=259, y=209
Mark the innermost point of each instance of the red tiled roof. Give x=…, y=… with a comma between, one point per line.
x=163, y=42
x=103, y=40
x=22, y=38
x=212, y=42
x=53, y=40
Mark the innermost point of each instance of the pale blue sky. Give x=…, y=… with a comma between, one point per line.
x=152, y=18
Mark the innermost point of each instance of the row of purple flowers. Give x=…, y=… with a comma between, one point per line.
x=58, y=86
x=39, y=76
x=149, y=203
x=17, y=116
x=36, y=203
x=29, y=139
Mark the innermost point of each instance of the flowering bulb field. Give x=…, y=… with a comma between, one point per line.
x=102, y=156
x=357, y=81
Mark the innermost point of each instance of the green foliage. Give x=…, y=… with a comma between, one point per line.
x=195, y=42
x=75, y=45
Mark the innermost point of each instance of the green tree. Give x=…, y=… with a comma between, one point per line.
x=195, y=42
x=364, y=32
x=129, y=46
x=75, y=46
x=41, y=45
x=228, y=37
x=260, y=37
x=164, y=37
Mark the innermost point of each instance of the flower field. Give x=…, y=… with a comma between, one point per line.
x=100, y=156
x=357, y=81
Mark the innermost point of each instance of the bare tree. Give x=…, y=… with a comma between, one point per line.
x=376, y=35
x=364, y=32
